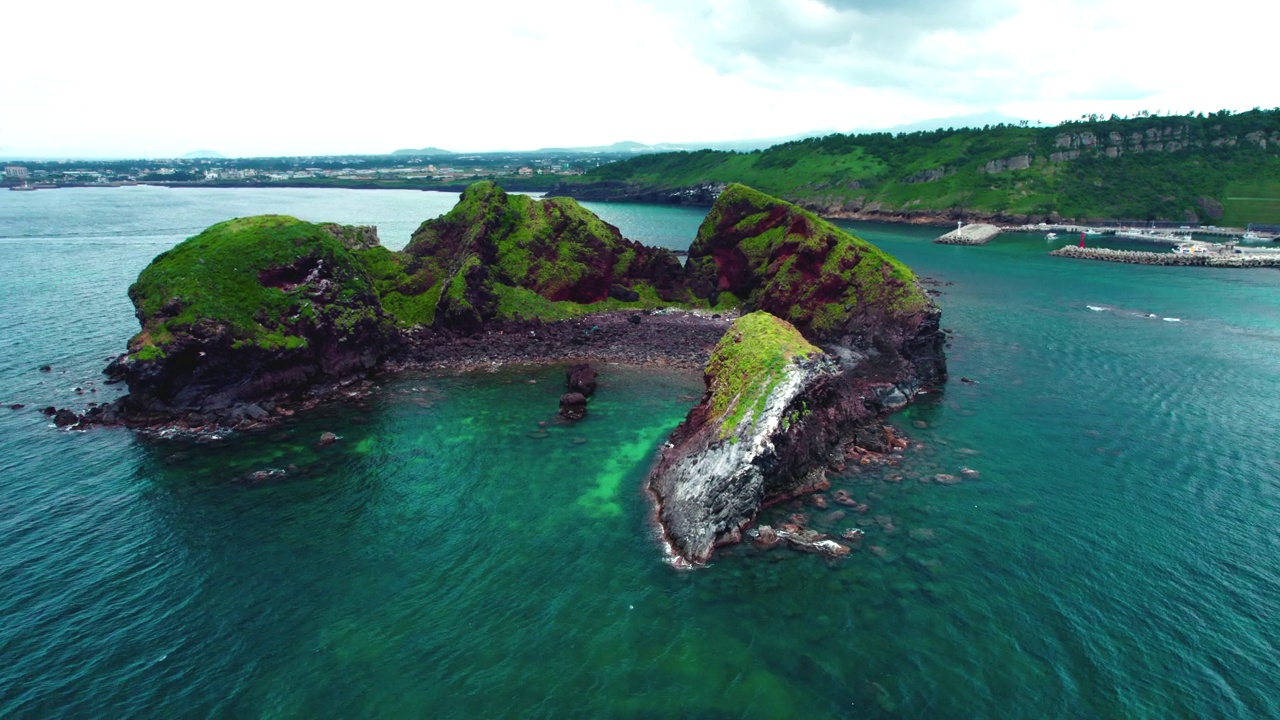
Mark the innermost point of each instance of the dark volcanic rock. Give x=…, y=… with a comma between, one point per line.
x=617, y=292
x=573, y=406
x=247, y=309
x=840, y=291
x=501, y=256
x=777, y=408
x=65, y=418
x=581, y=378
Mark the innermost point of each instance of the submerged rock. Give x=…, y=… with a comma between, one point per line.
x=573, y=406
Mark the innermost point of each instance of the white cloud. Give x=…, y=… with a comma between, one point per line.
x=150, y=78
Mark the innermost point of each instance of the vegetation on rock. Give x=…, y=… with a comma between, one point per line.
x=778, y=257
x=1217, y=168
x=509, y=256
x=270, y=304
x=748, y=363
x=261, y=281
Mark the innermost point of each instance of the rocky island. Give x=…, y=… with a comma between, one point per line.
x=257, y=315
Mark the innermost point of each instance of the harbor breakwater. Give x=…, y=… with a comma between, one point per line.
x=975, y=234
x=1135, y=257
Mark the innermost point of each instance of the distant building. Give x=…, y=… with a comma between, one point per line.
x=16, y=172
x=525, y=171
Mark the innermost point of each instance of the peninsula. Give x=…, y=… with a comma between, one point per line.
x=256, y=317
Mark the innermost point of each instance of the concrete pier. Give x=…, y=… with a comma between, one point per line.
x=975, y=234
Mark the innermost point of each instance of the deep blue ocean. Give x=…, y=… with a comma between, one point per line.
x=1116, y=556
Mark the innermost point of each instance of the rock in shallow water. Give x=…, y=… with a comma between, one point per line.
x=573, y=406
x=581, y=378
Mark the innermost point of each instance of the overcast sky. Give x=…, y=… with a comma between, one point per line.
x=159, y=79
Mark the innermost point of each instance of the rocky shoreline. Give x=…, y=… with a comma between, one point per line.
x=705, y=194
x=806, y=334
x=1137, y=257
x=673, y=338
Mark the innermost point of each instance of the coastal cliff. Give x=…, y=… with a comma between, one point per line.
x=1216, y=168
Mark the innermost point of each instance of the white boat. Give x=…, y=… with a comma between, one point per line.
x=1251, y=236
x=1051, y=236
x=1091, y=231
x=1190, y=249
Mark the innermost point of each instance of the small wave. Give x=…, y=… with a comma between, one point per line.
x=1172, y=319
x=1096, y=308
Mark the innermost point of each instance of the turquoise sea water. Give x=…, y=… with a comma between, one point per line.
x=1117, y=557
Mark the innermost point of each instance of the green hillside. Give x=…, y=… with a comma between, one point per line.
x=1218, y=168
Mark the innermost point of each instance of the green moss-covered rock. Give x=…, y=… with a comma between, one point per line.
x=408, y=288
x=747, y=365
x=775, y=409
x=253, y=306
x=260, y=280
x=492, y=245
x=778, y=257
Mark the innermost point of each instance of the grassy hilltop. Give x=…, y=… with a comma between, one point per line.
x=1219, y=168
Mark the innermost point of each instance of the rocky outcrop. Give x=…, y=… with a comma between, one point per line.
x=581, y=378
x=1017, y=162
x=860, y=337
x=929, y=175
x=837, y=289
x=248, y=309
x=501, y=256
x=776, y=413
x=573, y=406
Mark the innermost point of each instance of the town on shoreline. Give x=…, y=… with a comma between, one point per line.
x=413, y=171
